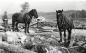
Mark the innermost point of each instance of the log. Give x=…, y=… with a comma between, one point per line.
x=44, y=33
x=33, y=24
x=13, y=48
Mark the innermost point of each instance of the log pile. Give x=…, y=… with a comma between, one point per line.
x=13, y=48
x=47, y=39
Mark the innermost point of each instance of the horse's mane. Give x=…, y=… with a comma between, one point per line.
x=30, y=11
x=63, y=16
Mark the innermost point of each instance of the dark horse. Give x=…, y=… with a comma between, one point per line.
x=26, y=18
x=64, y=24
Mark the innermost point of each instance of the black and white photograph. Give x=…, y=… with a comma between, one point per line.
x=42, y=26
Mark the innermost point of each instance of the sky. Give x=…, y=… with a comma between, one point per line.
x=12, y=6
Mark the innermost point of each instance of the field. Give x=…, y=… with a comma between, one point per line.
x=48, y=35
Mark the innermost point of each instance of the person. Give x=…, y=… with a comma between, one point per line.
x=25, y=8
x=5, y=21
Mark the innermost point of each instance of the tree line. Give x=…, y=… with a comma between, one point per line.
x=78, y=14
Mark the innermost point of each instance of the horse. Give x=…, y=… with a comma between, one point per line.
x=26, y=19
x=64, y=24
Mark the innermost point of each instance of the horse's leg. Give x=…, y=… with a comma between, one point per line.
x=65, y=42
x=13, y=24
x=17, y=26
x=69, y=38
x=60, y=36
x=65, y=36
x=69, y=34
x=25, y=27
x=28, y=27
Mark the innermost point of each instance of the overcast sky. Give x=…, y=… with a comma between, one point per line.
x=42, y=5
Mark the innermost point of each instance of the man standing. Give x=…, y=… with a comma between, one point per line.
x=5, y=21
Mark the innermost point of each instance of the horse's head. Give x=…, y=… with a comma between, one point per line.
x=58, y=12
x=34, y=13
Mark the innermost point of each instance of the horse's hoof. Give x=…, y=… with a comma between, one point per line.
x=66, y=44
x=27, y=31
x=68, y=41
x=59, y=41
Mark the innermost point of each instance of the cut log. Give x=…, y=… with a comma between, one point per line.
x=33, y=24
x=13, y=48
